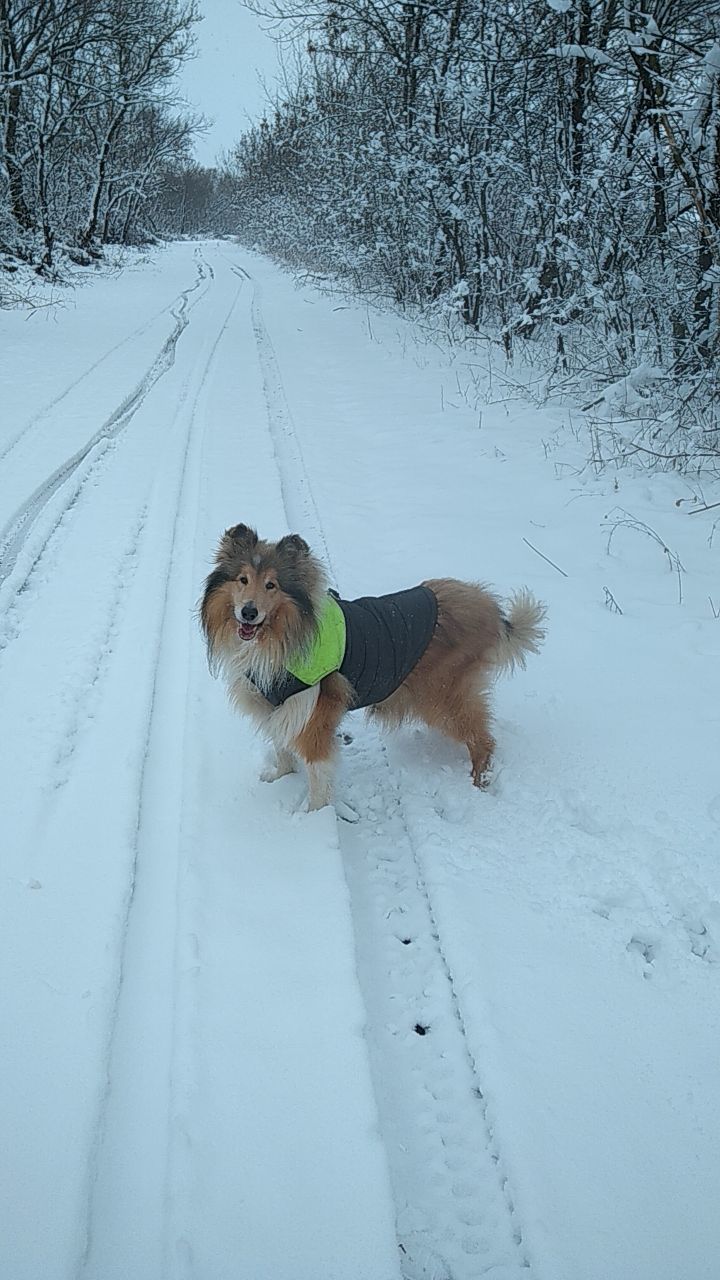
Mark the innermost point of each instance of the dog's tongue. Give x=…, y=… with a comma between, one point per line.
x=246, y=630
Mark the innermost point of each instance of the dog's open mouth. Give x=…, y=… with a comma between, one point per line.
x=248, y=630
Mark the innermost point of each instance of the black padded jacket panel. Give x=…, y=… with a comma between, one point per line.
x=386, y=637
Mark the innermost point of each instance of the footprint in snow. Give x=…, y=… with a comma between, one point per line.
x=647, y=948
x=583, y=815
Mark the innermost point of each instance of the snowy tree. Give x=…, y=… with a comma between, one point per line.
x=550, y=168
x=87, y=117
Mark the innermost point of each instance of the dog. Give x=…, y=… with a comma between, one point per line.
x=296, y=657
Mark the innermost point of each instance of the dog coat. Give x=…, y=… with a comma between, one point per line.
x=374, y=642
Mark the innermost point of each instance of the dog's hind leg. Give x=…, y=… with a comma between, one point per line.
x=472, y=726
x=481, y=749
x=463, y=716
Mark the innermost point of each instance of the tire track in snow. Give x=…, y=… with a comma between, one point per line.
x=151, y=951
x=87, y=694
x=33, y=551
x=456, y=1218
x=16, y=535
x=297, y=496
x=43, y=413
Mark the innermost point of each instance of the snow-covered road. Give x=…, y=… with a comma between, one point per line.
x=472, y=1035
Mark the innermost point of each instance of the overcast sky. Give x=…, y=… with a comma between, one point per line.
x=223, y=80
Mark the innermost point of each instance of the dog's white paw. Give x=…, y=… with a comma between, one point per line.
x=272, y=773
x=279, y=768
x=343, y=811
x=307, y=807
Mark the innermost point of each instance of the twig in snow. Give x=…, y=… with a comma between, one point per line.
x=543, y=557
x=610, y=601
x=715, y=608
x=628, y=521
x=709, y=507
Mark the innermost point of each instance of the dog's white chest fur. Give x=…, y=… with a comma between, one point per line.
x=282, y=724
x=287, y=721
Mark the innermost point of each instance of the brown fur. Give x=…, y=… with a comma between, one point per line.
x=448, y=689
x=317, y=741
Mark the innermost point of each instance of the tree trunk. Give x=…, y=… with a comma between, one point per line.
x=18, y=206
x=90, y=229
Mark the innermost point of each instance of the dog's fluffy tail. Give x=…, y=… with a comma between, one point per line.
x=522, y=630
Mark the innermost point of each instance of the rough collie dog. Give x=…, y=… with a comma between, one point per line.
x=296, y=657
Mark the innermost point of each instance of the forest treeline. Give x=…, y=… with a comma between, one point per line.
x=541, y=169
x=88, y=122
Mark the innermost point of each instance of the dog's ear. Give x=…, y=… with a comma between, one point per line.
x=243, y=535
x=239, y=541
x=292, y=542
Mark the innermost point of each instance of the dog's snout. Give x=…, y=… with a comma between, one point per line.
x=249, y=612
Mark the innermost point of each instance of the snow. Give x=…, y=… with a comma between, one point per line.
x=473, y=1034
x=712, y=58
x=582, y=51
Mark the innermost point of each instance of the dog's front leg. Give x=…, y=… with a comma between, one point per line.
x=284, y=763
x=321, y=775
x=315, y=744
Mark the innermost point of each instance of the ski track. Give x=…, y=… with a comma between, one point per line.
x=128, y=994
x=17, y=533
x=456, y=1216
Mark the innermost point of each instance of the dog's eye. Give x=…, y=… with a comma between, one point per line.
x=269, y=586
x=243, y=579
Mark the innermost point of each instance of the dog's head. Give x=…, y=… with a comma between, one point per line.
x=261, y=596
